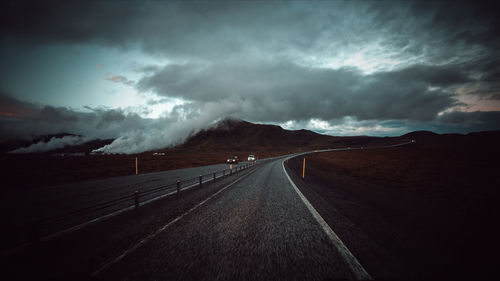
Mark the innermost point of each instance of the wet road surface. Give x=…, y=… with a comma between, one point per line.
x=256, y=229
x=19, y=207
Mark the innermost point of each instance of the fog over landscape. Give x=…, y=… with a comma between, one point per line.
x=150, y=74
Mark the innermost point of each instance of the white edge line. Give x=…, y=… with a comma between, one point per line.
x=358, y=270
x=105, y=217
x=154, y=234
x=115, y=213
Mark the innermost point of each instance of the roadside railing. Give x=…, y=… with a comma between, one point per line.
x=40, y=229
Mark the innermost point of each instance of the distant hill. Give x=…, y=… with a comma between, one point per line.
x=233, y=134
x=420, y=135
x=239, y=135
x=468, y=141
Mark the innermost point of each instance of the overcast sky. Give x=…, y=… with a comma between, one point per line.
x=151, y=73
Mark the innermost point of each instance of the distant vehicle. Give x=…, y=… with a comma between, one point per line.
x=232, y=160
x=251, y=158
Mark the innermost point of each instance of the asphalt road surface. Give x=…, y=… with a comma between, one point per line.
x=20, y=206
x=256, y=229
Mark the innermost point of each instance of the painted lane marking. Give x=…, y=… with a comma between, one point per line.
x=104, y=217
x=353, y=263
x=163, y=228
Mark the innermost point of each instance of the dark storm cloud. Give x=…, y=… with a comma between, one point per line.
x=280, y=92
x=438, y=28
x=266, y=61
x=191, y=29
x=221, y=28
x=132, y=133
x=11, y=107
x=464, y=35
x=472, y=22
x=437, y=76
x=438, y=32
x=477, y=121
x=27, y=120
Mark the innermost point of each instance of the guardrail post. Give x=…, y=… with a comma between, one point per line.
x=201, y=180
x=178, y=187
x=223, y=173
x=214, y=176
x=35, y=231
x=136, y=200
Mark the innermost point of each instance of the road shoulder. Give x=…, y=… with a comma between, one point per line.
x=78, y=254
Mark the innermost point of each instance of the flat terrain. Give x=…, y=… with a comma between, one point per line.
x=39, y=170
x=432, y=206
x=256, y=228
x=422, y=211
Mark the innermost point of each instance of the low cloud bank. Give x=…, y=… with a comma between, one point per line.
x=135, y=134
x=53, y=143
x=132, y=133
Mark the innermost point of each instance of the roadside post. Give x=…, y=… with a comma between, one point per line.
x=214, y=176
x=178, y=187
x=201, y=180
x=224, y=173
x=230, y=169
x=304, y=168
x=136, y=166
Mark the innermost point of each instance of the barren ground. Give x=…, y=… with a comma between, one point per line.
x=432, y=206
x=38, y=170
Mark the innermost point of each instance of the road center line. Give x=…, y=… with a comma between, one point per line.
x=353, y=263
x=163, y=228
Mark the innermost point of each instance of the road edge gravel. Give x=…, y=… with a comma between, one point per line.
x=358, y=270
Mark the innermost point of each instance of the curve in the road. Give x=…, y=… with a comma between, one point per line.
x=260, y=228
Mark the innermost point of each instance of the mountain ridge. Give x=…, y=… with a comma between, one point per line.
x=232, y=134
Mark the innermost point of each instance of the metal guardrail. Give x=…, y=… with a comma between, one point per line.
x=46, y=227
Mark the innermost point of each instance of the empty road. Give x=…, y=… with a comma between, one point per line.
x=256, y=229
